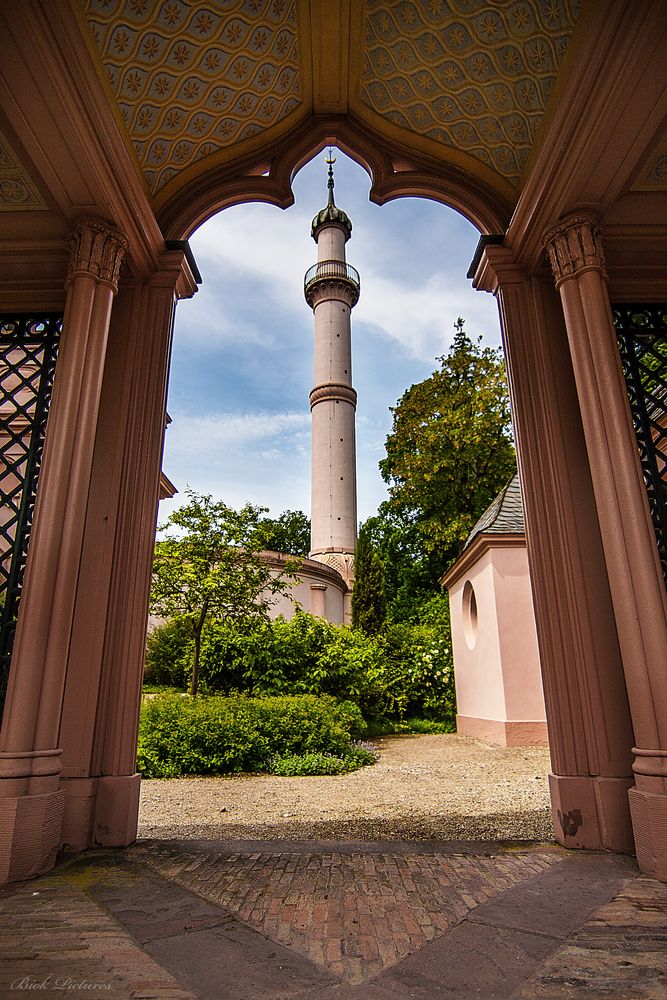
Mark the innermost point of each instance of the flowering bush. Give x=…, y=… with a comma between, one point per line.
x=294, y=766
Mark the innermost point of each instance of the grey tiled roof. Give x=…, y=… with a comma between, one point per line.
x=504, y=516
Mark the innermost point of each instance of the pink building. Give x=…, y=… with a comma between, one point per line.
x=319, y=589
x=499, y=693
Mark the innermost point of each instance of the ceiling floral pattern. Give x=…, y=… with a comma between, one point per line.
x=190, y=78
x=474, y=75
x=17, y=191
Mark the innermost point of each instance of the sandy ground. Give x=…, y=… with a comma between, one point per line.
x=447, y=787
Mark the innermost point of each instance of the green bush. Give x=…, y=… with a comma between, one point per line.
x=409, y=727
x=278, y=658
x=168, y=660
x=301, y=765
x=179, y=735
x=418, y=673
x=405, y=671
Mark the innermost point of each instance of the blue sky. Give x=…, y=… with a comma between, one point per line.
x=243, y=356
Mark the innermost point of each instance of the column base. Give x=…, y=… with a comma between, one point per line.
x=80, y=795
x=116, y=811
x=30, y=831
x=592, y=812
x=503, y=733
x=649, y=821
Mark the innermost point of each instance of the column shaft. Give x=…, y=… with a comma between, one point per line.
x=332, y=295
x=635, y=576
x=105, y=666
x=589, y=726
x=30, y=753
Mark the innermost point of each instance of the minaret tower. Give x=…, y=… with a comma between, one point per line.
x=332, y=289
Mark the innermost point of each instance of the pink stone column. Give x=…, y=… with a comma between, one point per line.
x=30, y=755
x=105, y=665
x=589, y=726
x=635, y=577
x=318, y=600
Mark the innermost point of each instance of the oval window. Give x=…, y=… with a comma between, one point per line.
x=469, y=614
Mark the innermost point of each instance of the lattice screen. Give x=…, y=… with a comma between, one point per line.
x=28, y=351
x=642, y=340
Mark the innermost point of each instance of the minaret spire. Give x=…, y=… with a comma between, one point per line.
x=330, y=183
x=332, y=290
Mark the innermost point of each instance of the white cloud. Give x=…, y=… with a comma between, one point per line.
x=208, y=433
x=259, y=457
x=258, y=254
x=262, y=245
x=420, y=318
x=210, y=320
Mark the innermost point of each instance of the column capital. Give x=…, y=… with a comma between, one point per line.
x=574, y=245
x=97, y=250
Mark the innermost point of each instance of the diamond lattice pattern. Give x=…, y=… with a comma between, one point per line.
x=642, y=337
x=28, y=349
x=469, y=74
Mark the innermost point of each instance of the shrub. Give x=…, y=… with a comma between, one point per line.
x=179, y=735
x=429, y=726
x=278, y=658
x=300, y=765
x=169, y=654
x=419, y=673
x=405, y=671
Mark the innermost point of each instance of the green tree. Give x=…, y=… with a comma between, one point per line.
x=289, y=533
x=212, y=569
x=369, y=606
x=449, y=452
x=410, y=573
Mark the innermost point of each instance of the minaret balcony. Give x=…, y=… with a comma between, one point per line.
x=331, y=271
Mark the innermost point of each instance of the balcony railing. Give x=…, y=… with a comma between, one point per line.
x=337, y=270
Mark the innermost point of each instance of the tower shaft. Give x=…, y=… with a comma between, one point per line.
x=332, y=289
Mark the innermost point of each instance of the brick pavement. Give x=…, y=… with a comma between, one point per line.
x=337, y=921
x=354, y=915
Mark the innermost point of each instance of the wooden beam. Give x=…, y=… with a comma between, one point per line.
x=330, y=53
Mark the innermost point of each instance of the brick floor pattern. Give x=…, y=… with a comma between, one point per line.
x=354, y=914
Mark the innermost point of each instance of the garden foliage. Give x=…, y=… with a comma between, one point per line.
x=209, y=567
x=181, y=735
x=369, y=605
x=404, y=671
x=448, y=454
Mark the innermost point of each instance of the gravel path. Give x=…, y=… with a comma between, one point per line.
x=447, y=787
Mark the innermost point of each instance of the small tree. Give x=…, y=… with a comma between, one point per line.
x=369, y=607
x=212, y=569
x=288, y=533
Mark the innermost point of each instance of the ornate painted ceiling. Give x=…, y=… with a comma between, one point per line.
x=191, y=78
x=475, y=76
x=198, y=79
